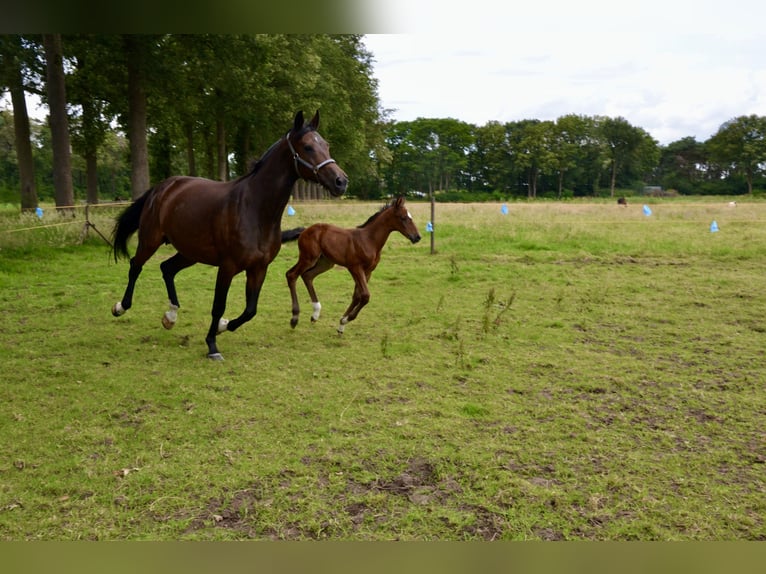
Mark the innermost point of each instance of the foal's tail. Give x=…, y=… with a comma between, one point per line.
x=291, y=234
x=126, y=225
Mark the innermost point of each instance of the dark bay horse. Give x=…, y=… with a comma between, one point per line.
x=234, y=225
x=322, y=246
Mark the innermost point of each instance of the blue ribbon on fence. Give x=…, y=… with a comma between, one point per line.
x=647, y=211
x=429, y=227
x=290, y=210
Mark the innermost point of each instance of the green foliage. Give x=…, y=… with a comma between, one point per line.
x=215, y=102
x=567, y=371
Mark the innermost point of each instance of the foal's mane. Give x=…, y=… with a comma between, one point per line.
x=374, y=216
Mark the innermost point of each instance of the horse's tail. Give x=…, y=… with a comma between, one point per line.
x=291, y=234
x=126, y=225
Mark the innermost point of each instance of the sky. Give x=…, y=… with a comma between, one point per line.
x=676, y=68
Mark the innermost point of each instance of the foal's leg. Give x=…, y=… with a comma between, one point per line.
x=218, y=323
x=170, y=268
x=292, y=275
x=307, y=268
x=360, y=298
x=308, y=277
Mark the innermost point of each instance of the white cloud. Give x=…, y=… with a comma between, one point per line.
x=675, y=69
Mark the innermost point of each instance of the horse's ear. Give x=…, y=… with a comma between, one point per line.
x=399, y=201
x=315, y=121
x=298, y=123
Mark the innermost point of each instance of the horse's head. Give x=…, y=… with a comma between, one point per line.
x=403, y=221
x=311, y=154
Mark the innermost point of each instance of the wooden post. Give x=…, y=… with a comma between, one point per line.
x=433, y=210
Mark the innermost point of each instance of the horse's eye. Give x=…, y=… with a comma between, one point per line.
x=309, y=149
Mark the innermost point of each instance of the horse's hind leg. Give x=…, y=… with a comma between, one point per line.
x=170, y=268
x=146, y=248
x=136, y=265
x=127, y=298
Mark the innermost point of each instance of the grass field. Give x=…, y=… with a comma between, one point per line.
x=568, y=371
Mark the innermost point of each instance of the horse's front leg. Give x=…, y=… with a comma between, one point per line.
x=218, y=323
x=253, y=284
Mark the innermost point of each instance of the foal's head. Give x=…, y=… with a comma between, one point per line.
x=402, y=220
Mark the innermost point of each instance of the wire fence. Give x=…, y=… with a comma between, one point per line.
x=62, y=223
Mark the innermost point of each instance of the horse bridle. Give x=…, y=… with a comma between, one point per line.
x=298, y=159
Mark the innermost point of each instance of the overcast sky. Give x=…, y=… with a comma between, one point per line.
x=675, y=68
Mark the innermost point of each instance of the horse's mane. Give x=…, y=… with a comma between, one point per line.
x=256, y=164
x=374, y=216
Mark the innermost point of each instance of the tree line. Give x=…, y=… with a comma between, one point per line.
x=572, y=156
x=202, y=105
x=125, y=111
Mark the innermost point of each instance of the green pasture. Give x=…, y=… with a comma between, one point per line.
x=568, y=371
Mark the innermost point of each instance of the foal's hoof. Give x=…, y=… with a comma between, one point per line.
x=293, y=322
x=167, y=323
x=223, y=325
x=215, y=357
x=117, y=310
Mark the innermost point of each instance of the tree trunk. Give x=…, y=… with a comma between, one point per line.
x=22, y=136
x=221, y=149
x=90, y=153
x=192, y=166
x=139, y=156
x=561, y=182
x=614, y=178
x=59, y=123
x=91, y=177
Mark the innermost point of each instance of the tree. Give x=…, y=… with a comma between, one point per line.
x=740, y=143
x=89, y=89
x=626, y=147
x=12, y=77
x=138, y=51
x=533, y=151
x=569, y=136
x=681, y=164
x=57, y=102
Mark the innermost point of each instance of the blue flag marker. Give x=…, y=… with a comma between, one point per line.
x=429, y=227
x=504, y=209
x=39, y=212
x=290, y=210
x=647, y=211
x=713, y=227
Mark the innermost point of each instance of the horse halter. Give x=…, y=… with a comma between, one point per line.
x=298, y=159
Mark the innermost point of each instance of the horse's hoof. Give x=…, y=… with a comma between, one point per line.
x=223, y=325
x=293, y=322
x=167, y=322
x=215, y=357
x=117, y=310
